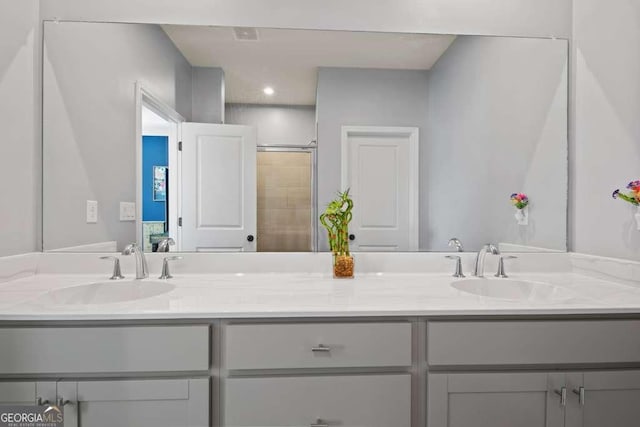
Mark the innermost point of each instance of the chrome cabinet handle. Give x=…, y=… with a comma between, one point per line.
x=321, y=349
x=63, y=402
x=580, y=393
x=42, y=402
x=319, y=423
x=563, y=395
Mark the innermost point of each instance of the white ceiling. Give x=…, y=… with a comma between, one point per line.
x=288, y=60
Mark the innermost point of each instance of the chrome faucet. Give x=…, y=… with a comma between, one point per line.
x=142, y=269
x=478, y=271
x=455, y=242
x=163, y=245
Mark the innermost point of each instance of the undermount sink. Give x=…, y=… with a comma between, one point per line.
x=108, y=292
x=509, y=289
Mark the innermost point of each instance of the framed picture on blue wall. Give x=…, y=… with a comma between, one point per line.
x=160, y=183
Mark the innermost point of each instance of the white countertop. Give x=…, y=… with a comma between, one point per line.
x=290, y=295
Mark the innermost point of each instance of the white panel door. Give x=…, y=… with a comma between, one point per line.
x=380, y=167
x=218, y=187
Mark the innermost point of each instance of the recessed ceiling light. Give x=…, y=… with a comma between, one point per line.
x=268, y=90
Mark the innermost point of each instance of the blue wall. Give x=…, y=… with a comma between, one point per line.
x=154, y=153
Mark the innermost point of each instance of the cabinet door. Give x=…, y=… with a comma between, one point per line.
x=26, y=392
x=119, y=403
x=610, y=399
x=345, y=401
x=495, y=400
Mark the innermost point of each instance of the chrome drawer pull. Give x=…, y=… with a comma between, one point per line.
x=580, y=393
x=319, y=423
x=321, y=348
x=563, y=395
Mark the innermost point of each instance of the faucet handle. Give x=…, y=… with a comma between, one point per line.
x=117, y=272
x=130, y=249
x=501, y=273
x=458, y=271
x=492, y=249
x=163, y=245
x=455, y=242
x=165, y=267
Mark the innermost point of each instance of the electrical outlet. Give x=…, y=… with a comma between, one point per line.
x=127, y=211
x=92, y=211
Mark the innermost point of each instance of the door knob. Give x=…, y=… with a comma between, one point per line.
x=352, y=237
x=250, y=238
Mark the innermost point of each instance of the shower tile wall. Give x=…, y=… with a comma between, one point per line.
x=284, y=202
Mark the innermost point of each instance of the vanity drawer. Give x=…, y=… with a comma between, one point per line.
x=125, y=349
x=317, y=345
x=485, y=343
x=365, y=400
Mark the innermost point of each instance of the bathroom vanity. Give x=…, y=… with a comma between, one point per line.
x=386, y=349
x=431, y=141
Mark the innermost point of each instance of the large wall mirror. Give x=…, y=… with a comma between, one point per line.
x=235, y=139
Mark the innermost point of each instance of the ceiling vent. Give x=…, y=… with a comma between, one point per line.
x=245, y=33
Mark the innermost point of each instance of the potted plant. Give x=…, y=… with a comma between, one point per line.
x=336, y=219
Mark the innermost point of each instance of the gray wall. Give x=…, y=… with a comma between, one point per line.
x=606, y=139
x=207, y=95
x=276, y=124
x=497, y=125
x=362, y=97
x=89, y=121
x=495, y=17
x=19, y=165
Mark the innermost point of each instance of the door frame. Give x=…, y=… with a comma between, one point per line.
x=146, y=98
x=414, y=168
x=312, y=149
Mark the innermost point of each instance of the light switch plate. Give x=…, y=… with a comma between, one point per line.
x=92, y=211
x=127, y=211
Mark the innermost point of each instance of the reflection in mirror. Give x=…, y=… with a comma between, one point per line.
x=232, y=139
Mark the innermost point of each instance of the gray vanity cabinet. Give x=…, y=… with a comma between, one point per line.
x=139, y=353
x=350, y=374
x=608, y=399
x=319, y=401
x=495, y=400
x=140, y=403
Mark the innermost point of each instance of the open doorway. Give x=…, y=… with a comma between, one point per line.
x=157, y=201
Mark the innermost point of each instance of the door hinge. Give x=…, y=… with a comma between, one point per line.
x=179, y=145
x=180, y=222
